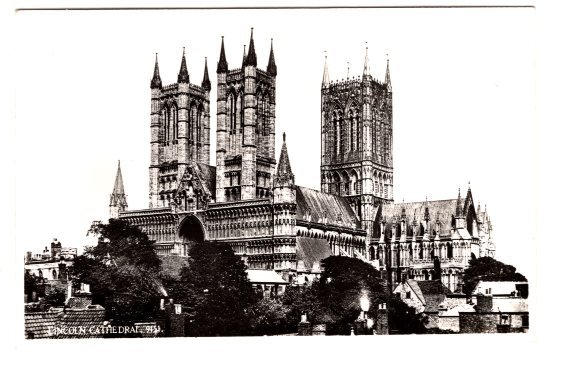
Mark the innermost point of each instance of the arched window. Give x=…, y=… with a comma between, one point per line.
x=174, y=119
x=54, y=274
x=164, y=121
x=198, y=126
x=232, y=113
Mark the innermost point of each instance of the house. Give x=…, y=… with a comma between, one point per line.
x=500, y=307
x=425, y=296
x=267, y=282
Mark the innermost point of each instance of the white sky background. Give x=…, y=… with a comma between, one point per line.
x=463, y=82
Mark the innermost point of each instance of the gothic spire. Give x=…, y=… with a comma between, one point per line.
x=366, y=64
x=222, y=63
x=251, y=58
x=156, y=81
x=459, y=209
x=325, y=77
x=183, y=74
x=271, y=69
x=118, y=183
x=284, y=171
x=206, y=81
x=118, y=197
x=387, y=80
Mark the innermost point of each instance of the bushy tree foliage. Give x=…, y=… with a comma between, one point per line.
x=215, y=291
x=334, y=299
x=123, y=270
x=488, y=269
x=269, y=317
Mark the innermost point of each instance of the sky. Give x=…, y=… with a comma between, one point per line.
x=464, y=104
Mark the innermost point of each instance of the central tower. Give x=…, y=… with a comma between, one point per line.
x=246, y=104
x=357, y=141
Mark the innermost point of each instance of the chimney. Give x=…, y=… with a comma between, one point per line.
x=382, y=327
x=304, y=327
x=162, y=304
x=68, y=291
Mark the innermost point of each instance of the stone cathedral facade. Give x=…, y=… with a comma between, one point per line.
x=250, y=200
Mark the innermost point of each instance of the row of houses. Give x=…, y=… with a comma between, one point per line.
x=494, y=306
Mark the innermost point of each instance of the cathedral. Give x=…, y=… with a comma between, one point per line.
x=250, y=198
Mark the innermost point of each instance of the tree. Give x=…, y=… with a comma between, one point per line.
x=122, y=269
x=335, y=298
x=269, y=317
x=215, y=291
x=488, y=269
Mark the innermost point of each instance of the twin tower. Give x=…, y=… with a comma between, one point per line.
x=356, y=134
x=180, y=125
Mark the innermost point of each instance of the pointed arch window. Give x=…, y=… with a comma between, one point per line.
x=198, y=126
x=174, y=124
x=164, y=125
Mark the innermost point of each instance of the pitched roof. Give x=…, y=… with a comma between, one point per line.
x=207, y=175
x=430, y=292
x=264, y=276
x=38, y=325
x=311, y=251
x=85, y=318
x=319, y=204
x=42, y=325
x=441, y=210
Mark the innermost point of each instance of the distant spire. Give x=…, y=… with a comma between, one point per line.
x=325, y=77
x=156, y=81
x=284, y=170
x=366, y=63
x=118, y=197
x=271, y=69
x=183, y=74
x=387, y=80
x=251, y=58
x=244, y=57
x=206, y=80
x=222, y=63
x=459, y=209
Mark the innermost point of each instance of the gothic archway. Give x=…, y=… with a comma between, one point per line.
x=191, y=231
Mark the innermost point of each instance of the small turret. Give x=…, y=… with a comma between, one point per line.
x=206, y=85
x=118, y=201
x=251, y=57
x=366, y=71
x=387, y=80
x=156, y=82
x=222, y=63
x=183, y=74
x=284, y=175
x=271, y=69
x=325, y=77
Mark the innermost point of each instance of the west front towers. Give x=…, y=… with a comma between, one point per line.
x=180, y=133
x=246, y=104
x=357, y=160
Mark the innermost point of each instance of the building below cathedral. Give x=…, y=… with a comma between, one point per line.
x=251, y=201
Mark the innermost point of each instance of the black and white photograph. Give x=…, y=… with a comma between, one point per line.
x=275, y=172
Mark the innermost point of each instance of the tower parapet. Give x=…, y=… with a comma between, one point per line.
x=180, y=132
x=356, y=137
x=245, y=156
